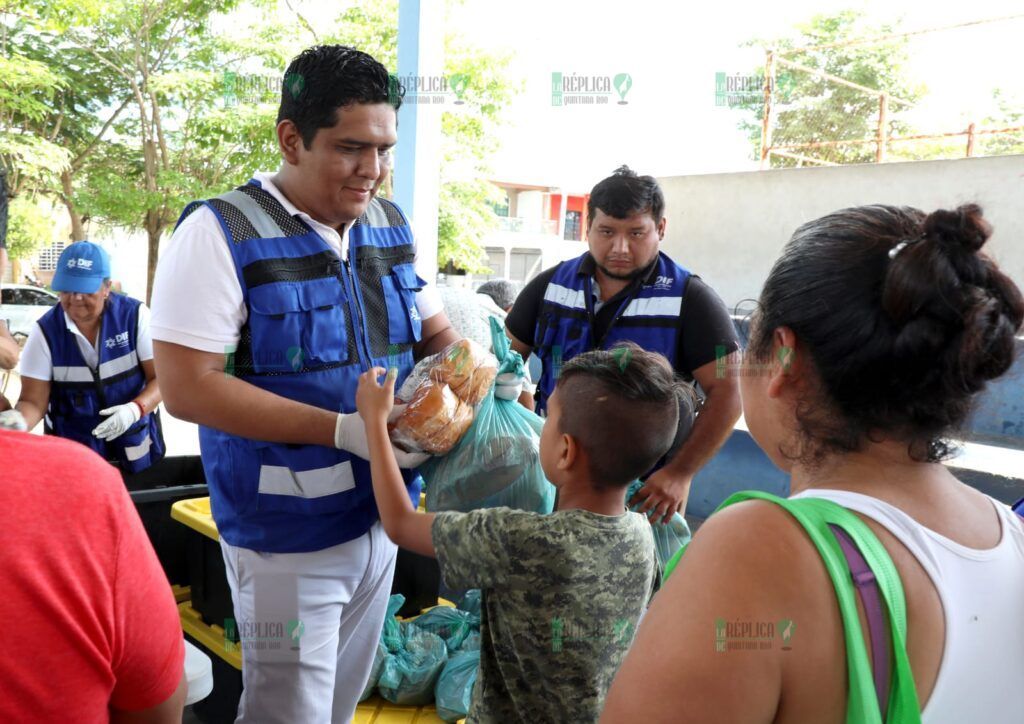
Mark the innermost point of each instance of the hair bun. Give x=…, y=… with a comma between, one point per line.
x=963, y=228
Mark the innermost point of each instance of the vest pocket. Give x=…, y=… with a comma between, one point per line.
x=295, y=326
x=404, y=323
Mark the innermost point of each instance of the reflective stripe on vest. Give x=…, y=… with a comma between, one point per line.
x=77, y=394
x=650, y=318
x=315, y=323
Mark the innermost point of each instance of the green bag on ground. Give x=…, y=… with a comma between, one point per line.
x=449, y=623
x=378, y=665
x=470, y=602
x=471, y=642
x=454, y=692
x=392, y=631
x=410, y=672
x=815, y=515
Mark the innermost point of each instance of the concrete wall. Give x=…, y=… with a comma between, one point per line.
x=730, y=228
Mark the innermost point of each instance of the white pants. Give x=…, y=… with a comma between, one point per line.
x=308, y=625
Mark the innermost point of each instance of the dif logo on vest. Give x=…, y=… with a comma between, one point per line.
x=118, y=340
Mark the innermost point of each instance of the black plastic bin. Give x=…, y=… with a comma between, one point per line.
x=154, y=491
x=418, y=578
x=211, y=595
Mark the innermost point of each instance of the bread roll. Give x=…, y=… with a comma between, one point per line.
x=434, y=421
x=468, y=369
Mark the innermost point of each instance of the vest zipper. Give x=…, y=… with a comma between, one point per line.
x=356, y=311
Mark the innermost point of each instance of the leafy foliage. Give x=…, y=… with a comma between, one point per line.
x=815, y=109
x=126, y=110
x=28, y=227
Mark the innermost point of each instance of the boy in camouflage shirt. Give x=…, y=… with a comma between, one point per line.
x=562, y=593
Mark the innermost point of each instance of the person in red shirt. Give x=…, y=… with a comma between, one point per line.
x=91, y=631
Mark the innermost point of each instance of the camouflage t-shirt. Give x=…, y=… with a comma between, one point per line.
x=562, y=595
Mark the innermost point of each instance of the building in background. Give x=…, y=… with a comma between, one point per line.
x=538, y=226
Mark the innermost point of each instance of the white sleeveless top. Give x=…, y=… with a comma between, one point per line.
x=982, y=594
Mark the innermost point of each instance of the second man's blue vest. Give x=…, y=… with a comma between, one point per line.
x=78, y=393
x=315, y=323
x=649, y=317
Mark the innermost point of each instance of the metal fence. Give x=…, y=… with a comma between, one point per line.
x=815, y=117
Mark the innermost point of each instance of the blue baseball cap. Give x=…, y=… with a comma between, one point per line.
x=82, y=268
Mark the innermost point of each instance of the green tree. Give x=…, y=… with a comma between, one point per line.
x=808, y=108
x=178, y=140
x=28, y=227
x=1009, y=114
x=78, y=117
x=27, y=92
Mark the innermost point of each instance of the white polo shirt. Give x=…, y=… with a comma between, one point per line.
x=197, y=298
x=37, y=360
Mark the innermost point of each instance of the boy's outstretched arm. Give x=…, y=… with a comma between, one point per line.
x=408, y=528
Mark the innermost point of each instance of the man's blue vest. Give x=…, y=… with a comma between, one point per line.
x=315, y=323
x=78, y=393
x=565, y=328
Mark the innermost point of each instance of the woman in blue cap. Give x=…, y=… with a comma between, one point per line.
x=88, y=368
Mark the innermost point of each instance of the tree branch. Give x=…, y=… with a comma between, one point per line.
x=77, y=162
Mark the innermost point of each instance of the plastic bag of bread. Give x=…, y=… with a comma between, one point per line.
x=433, y=421
x=467, y=368
x=497, y=461
x=420, y=374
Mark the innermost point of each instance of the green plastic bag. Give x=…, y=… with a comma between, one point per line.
x=454, y=692
x=375, y=669
x=669, y=537
x=450, y=624
x=815, y=515
x=410, y=672
x=471, y=642
x=497, y=461
x=392, y=632
x=470, y=602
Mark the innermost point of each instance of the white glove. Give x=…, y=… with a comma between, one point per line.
x=121, y=418
x=350, y=435
x=508, y=386
x=12, y=420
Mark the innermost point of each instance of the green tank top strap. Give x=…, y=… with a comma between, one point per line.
x=815, y=515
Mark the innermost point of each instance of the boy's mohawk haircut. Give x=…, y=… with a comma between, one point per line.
x=623, y=407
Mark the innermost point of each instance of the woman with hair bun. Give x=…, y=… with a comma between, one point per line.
x=877, y=327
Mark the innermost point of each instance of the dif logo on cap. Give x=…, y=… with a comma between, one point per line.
x=82, y=268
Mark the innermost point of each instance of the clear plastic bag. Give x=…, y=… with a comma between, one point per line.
x=410, y=672
x=497, y=461
x=668, y=537
x=454, y=691
x=442, y=392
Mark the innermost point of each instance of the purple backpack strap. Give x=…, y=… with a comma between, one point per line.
x=870, y=597
x=1018, y=507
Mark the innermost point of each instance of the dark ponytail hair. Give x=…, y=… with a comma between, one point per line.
x=903, y=317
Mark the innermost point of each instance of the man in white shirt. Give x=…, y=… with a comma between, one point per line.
x=268, y=303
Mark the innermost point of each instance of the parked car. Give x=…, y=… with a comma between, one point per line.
x=21, y=305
